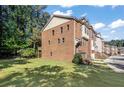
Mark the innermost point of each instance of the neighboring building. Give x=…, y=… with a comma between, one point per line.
x=114, y=50
x=107, y=49
x=64, y=36
x=82, y=38
x=121, y=50
x=88, y=39
x=99, y=43
x=92, y=43
x=110, y=50
x=99, y=46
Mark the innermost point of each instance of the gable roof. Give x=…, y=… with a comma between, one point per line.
x=59, y=16
x=69, y=18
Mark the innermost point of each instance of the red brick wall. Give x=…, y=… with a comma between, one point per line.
x=62, y=51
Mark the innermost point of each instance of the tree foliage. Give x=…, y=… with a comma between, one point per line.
x=20, y=25
x=118, y=43
x=29, y=52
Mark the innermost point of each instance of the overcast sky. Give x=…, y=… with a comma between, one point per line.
x=108, y=20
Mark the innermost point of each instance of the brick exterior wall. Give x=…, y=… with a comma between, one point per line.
x=84, y=46
x=52, y=49
x=59, y=51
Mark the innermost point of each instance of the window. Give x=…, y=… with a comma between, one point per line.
x=53, y=32
x=49, y=42
x=51, y=53
x=58, y=41
x=67, y=27
x=61, y=30
x=63, y=40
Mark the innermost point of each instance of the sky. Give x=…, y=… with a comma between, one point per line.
x=106, y=19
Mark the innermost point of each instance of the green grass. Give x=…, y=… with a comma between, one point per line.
x=41, y=72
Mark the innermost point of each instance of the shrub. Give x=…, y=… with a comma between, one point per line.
x=77, y=59
x=27, y=53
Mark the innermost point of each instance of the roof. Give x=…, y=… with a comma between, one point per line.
x=98, y=35
x=71, y=18
x=63, y=16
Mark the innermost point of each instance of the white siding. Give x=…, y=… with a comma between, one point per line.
x=85, y=33
x=55, y=21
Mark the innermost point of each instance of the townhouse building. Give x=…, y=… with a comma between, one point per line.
x=63, y=36
x=87, y=37
x=107, y=49
x=114, y=50
x=92, y=43
x=110, y=49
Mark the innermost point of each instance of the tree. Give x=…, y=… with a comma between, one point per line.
x=19, y=26
x=118, y=43
x=40, y=18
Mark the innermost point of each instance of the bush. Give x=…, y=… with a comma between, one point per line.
x=27, y=53
x=77, y=59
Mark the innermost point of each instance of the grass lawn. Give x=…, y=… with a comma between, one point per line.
x=41, y=72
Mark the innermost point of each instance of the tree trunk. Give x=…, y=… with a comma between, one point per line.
x=34, y=46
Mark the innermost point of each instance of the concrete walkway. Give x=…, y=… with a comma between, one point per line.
x=116, y=63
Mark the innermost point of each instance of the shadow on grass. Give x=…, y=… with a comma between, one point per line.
x=11, y=62
x=47, y=76
x=42, y=76
x=54, y=76
x=99, y=76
